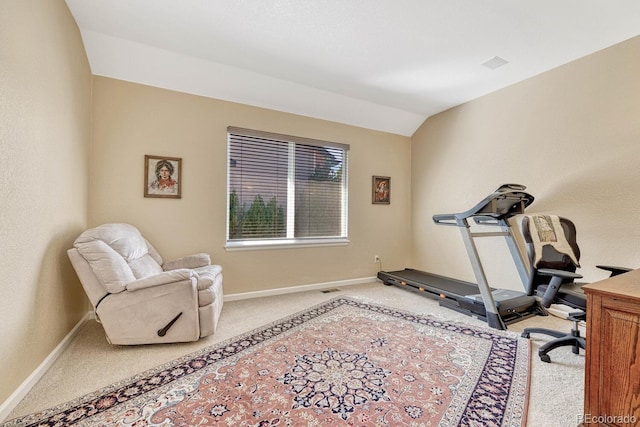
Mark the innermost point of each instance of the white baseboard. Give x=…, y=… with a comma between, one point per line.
x=26, y=386
x=300, y=288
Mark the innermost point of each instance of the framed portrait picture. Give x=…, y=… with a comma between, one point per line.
x=162, y=177
x=381, y=190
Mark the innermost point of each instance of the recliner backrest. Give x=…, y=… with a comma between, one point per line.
x=118, y=254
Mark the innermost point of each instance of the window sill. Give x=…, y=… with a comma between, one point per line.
x=246, y=245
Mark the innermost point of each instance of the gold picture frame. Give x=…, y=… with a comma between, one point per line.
x=381, y=190
x=162, y=177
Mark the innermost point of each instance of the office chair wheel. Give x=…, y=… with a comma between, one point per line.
x=545, y=358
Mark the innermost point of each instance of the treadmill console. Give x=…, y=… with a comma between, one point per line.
x=506, y=201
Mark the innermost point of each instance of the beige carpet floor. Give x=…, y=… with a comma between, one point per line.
x=90, y=363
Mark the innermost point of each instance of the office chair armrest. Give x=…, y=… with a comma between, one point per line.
x=614, y=270
x=577, y=316
x=559, y=273
x=557, y=277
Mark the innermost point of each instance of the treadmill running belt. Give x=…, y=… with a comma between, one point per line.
x=433, y=282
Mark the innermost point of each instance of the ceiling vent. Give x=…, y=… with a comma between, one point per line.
x=495, y=62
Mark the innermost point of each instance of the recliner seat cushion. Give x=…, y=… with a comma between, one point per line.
x=207, y=275
x=211, y=293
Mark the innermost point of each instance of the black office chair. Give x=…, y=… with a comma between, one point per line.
x=552, y=279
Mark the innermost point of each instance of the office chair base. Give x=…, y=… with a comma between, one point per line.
x=576, y=343
x=528, y=331
x=562, y=339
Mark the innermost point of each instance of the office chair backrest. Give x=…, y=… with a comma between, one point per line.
x=550, y=257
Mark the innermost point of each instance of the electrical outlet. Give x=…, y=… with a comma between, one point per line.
x=376, y=259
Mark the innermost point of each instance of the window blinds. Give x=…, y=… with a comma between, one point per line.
x=285, y=188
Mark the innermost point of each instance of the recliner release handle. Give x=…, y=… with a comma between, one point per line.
x=162, y=332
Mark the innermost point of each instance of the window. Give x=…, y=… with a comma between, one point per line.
x=285, y=190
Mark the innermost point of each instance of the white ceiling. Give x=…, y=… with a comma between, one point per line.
x=380, y=64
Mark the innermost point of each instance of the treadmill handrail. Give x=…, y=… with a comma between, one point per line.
x=448, y=219
x=486, y=220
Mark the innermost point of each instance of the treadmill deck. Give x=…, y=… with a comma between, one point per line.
x=463, y=296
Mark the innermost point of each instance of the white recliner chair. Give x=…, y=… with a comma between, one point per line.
x=139, y=298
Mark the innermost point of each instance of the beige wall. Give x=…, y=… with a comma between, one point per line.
x=45, y=87
x=571, y=135
x=131, y=120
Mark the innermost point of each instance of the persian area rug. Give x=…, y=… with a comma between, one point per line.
x=344, y=362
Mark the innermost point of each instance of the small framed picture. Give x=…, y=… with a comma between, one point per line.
x=381, y=190
x=162, y=177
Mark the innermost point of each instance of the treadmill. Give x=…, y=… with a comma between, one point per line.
x=497, y=307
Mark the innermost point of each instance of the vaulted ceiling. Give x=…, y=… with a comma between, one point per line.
x=380, y=64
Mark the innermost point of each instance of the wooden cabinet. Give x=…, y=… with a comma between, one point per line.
x=612, y=361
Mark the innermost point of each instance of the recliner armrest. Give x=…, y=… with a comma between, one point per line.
x=190, y=261
x=161, y=279
x=614, y=270
x=557, y=277
x=135, y=317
